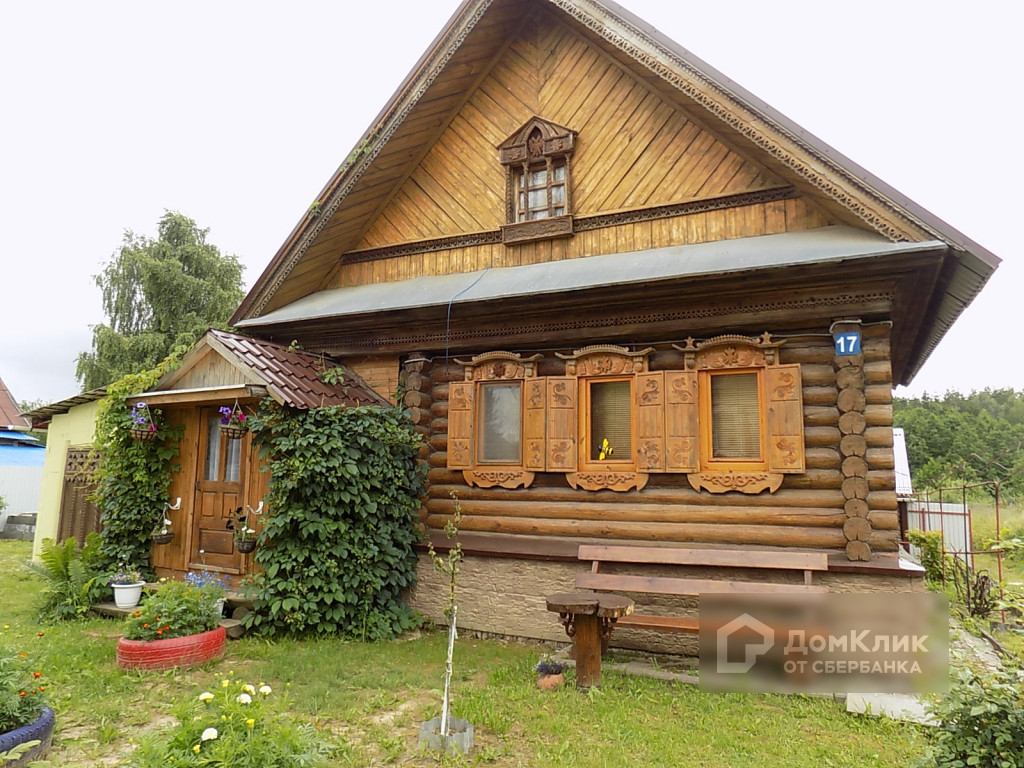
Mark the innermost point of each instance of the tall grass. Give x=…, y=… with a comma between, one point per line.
x=372, y=699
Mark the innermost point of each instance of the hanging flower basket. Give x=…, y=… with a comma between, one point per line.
x=232, y=422
x=143, y=427
x=163, y=538
x=245, y=546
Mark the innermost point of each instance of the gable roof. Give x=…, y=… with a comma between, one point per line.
x=10, y=414
x=460, y=57
x=255, y=367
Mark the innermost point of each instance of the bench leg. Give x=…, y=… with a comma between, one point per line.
x=587, y=644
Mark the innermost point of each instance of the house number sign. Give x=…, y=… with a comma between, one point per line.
x=847, y=343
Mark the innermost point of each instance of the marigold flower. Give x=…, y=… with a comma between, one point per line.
x=146, y=625
x=40, y=634
x=209, y=734
x=206, y=696
x=22, y=693
x=37, y=674
x=22, y=655
x=42, y=688
x=244, y=698
x=250, y=722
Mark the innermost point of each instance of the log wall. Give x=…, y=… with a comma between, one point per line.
x=845, y=501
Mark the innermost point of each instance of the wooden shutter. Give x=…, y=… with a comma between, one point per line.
x=785, y=419
x=682, y=442
x=535, y=410
x=460, y=424
x=561, y=424
x=650, y=422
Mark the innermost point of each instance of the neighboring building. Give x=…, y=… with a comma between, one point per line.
x=65, y=507
x=628, y=300
x=21, y=463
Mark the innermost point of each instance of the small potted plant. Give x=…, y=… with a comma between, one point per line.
x=163, y=534
x=127, y=584
x=177, y=626
x=143, y=427
x=244, y=535
x=232, y=422
x=550, y=673
x=26, y=723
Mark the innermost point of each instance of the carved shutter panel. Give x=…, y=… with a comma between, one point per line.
x=534, y=407
x=650, y=422
x=460, y=424
x=561, y=424
x=785, y=419
x=681, y=424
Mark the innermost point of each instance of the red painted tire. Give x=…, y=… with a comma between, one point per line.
x=188, y=651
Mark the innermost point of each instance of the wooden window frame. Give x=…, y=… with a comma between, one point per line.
x=620, y=462
x=708, y=461
x=480, y=403
x=537, y=144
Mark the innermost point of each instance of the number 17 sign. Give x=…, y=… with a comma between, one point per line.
x=847, y=343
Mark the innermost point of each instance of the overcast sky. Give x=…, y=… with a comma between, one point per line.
x=237, y=113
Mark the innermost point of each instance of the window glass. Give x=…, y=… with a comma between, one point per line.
x=541, y=193
x=500, y=416
x=735, y=416
x=610, y=420
x=212, y=450
x=233, y=461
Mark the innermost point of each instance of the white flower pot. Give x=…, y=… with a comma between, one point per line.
x=127, y=595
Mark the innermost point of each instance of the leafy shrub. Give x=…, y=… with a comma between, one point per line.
x=337, y=546
x=175, y=609
x=22, y=691
x=236, y=725
x=930, y=544
x=980, y=721
x=74, y=579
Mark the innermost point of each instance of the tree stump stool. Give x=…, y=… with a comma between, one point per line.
x=588, y=618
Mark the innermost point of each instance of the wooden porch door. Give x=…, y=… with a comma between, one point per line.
x=219, y=492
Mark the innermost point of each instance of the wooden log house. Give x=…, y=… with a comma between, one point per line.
x=627, y=301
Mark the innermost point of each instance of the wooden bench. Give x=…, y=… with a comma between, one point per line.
x=601, y=581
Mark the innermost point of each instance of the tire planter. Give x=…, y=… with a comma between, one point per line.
x=41, y=730
x=187, y=651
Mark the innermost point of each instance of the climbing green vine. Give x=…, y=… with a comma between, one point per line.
x=132, y=476
x=336, y=549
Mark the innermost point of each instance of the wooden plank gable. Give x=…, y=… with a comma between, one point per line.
x=636, y=149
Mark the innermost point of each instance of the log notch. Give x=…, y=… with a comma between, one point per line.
x=419, y=399
x=852, y=401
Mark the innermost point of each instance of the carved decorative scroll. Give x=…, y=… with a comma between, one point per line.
x=482, y=478
x=495, y=366
x=730, y=351
x=610, y=481
x=744, y=482
x=605, y=360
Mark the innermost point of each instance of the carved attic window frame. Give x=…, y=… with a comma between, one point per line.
x=539, y=145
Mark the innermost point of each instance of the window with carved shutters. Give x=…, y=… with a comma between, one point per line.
x=748, y=428
x=493, y=422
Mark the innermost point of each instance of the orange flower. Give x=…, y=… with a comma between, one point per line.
x=167, y=628
x=42, y=688
x=22, y=693
x=145, y=626
x=37, y=674
x=22, y=655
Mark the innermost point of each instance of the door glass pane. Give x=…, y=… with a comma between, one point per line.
x=233, y=462
x=500, y=424
x=735, y=417
x=212, y=470
x=610, y=420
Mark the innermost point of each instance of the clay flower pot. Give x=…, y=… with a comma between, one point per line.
x=550, y=682
x=187, y=651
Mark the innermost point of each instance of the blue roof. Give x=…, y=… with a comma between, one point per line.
x=22, y=455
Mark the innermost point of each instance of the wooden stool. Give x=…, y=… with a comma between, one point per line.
x=588, y=618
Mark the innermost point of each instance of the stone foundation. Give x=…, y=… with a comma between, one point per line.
x=506, y=596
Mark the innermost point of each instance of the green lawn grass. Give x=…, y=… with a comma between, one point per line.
x=373, y=698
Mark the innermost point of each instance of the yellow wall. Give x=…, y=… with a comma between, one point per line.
x=74, y=428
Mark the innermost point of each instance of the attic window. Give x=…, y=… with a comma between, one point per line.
x=539, y=190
